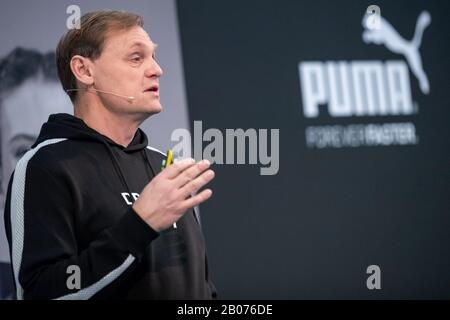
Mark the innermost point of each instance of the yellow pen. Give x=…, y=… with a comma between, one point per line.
x=168, y=163
x=169, y=158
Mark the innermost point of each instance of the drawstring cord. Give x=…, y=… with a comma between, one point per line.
x=119, y=171
x=144, y=153
x=117, y=167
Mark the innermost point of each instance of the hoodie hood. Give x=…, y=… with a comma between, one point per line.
x=63, y=125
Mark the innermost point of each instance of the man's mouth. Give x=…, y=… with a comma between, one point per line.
x=154, y=89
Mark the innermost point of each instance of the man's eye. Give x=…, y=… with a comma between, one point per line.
x=136, y=58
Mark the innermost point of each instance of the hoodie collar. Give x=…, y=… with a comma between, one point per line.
x=63, y=125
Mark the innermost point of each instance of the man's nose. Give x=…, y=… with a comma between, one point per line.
x=153, y=70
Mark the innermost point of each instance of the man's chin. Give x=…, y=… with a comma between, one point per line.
x=153, y=109
x=156, y=109
x=143, y=112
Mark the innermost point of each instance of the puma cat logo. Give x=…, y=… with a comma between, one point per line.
x=386, y=35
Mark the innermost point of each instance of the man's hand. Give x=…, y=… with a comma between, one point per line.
x=167, y=197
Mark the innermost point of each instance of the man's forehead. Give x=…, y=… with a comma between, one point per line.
x=126, y=39
x=140, y=44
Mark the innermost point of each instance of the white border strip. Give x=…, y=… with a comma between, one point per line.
x=157, y=150
x=88, y=292
x=17, y=210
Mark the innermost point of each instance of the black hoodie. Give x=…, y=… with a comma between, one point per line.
x=68, y=213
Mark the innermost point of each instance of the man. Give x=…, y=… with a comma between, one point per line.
x=88, y=214
x=27, y=79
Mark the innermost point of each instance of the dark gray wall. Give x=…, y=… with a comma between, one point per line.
x=312, y=230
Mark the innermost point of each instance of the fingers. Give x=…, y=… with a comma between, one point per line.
x=175, y=169
x=191, y=173
x=197, y=199
x=196, y=184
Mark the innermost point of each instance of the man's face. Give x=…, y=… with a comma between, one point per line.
x=127, y=67
x=22, y=114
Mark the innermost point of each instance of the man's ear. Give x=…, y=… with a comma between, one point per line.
x=82, y=69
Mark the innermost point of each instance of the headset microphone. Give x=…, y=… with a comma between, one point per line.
x=129, y=98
